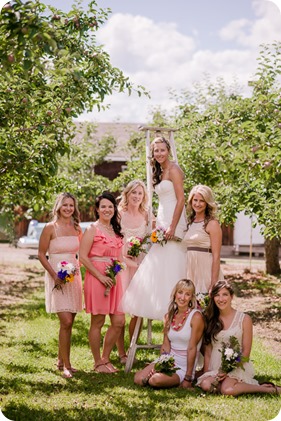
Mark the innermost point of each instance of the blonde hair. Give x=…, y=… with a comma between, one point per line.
x=132, y=185
x=58, y=204
x=207, y=194
x=173, y=308
x=156, y=167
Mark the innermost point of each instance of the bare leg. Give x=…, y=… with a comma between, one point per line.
x=112, y=334
x=120, y=343
x=66, y=322
x=233, y=387
x=97, y=322
x=154, y=379
x=132, y=326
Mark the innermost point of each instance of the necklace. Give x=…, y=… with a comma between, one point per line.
x=108, y=228
x=180, y=324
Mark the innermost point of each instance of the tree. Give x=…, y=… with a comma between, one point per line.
x=51, y=71
x=233, y=144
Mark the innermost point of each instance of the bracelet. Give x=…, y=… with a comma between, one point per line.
x=188, y=378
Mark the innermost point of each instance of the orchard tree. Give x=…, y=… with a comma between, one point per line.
x=51, y=71
x=233, y=144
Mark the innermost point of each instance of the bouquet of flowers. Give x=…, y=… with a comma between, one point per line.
x=66, y=272
x=112, y=271
x=231, y=358
x=203, y=300
x=165, y=364
x=158, y=236
x=136, y=245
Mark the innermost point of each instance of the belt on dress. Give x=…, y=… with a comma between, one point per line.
x=103, y=258
x=63, y=254
x=206, y=250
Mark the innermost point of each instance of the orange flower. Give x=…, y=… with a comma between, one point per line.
x=154, y=237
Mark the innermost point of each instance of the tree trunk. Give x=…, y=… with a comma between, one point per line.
x=272, y=256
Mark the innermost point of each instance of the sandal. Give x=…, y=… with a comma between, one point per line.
x=276, y=387
x=67, y=374
x=102, y=368
x=111, y=367
x=59, y=365
x=123, y=359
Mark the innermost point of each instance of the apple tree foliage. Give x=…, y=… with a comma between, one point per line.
x=51, y=70
x=232, y=143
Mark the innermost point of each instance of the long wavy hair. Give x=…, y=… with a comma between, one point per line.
x=58, y=204
x=213, y=323
x=211, y=208
x=115, y=220
x=185, y=284
x=156, y=167
x=132, y=185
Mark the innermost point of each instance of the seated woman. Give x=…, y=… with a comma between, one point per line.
x=183, y=332
x=223, y=321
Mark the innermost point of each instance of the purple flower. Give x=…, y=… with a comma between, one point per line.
x=62, y=274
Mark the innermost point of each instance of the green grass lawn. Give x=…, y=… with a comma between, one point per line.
x=32, y=389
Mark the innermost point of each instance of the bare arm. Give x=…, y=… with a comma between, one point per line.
x=197, y=328
x=85, y=247
x=247, y=337
x=207, y=357
x=166, y=345
x=44, y=243
x=214, y=230
x=176, y=176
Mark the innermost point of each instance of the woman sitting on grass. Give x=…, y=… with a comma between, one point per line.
x=228, y=340
x=183, y=332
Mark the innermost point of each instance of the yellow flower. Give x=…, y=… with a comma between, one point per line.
x=69, y=278
x=153, y=237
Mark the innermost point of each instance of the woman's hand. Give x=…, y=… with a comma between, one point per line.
x=58, y=282
x=169, y=234
x=221, y=376
x=106, y=281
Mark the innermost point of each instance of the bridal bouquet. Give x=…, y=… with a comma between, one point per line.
x=165, y=364
x=112, y=271
x=158, y=236
x=231, y=358
x=203, y=300
x=66, y=272
x=136, y=246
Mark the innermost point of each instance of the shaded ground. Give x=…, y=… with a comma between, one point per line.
x=256, y=293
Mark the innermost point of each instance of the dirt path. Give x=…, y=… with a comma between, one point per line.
x=256, y=294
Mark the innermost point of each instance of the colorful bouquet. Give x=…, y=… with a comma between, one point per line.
x=231, y=358
x=203, y=300
x=158, y=236
x=112, y=271
x=136, y=245
x=165, y=364
x=66, y=272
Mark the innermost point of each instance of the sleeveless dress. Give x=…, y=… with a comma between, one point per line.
x=148, y=294
x=70, y=297
x=199, y=263
x=104, y=248
x=179, y=343
x=235, y=329
x=140, y=232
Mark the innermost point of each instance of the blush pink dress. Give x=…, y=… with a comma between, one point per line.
x=104, y=248
x=69, y=298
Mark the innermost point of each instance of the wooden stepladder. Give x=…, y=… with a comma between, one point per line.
x=169, y=134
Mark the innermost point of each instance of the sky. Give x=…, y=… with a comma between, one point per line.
x=170, y=45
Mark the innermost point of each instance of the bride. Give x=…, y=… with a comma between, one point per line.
x=149, y=291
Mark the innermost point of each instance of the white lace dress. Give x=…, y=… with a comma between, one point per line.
x=235, y=329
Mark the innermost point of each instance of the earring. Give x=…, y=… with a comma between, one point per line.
x=190, y=304
x=175, y=305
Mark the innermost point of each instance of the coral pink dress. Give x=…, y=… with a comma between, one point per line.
x=104, y=248
x=69, y=298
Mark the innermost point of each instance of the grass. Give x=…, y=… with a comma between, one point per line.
x=32, y=388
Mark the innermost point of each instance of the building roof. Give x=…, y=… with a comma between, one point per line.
x=120, y=131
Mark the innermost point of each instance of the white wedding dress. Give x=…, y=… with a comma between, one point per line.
x=148, y=294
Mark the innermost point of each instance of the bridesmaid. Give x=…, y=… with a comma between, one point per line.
x=60, y=238
x=203, y=239
x=134, y=223
x=102, y=242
